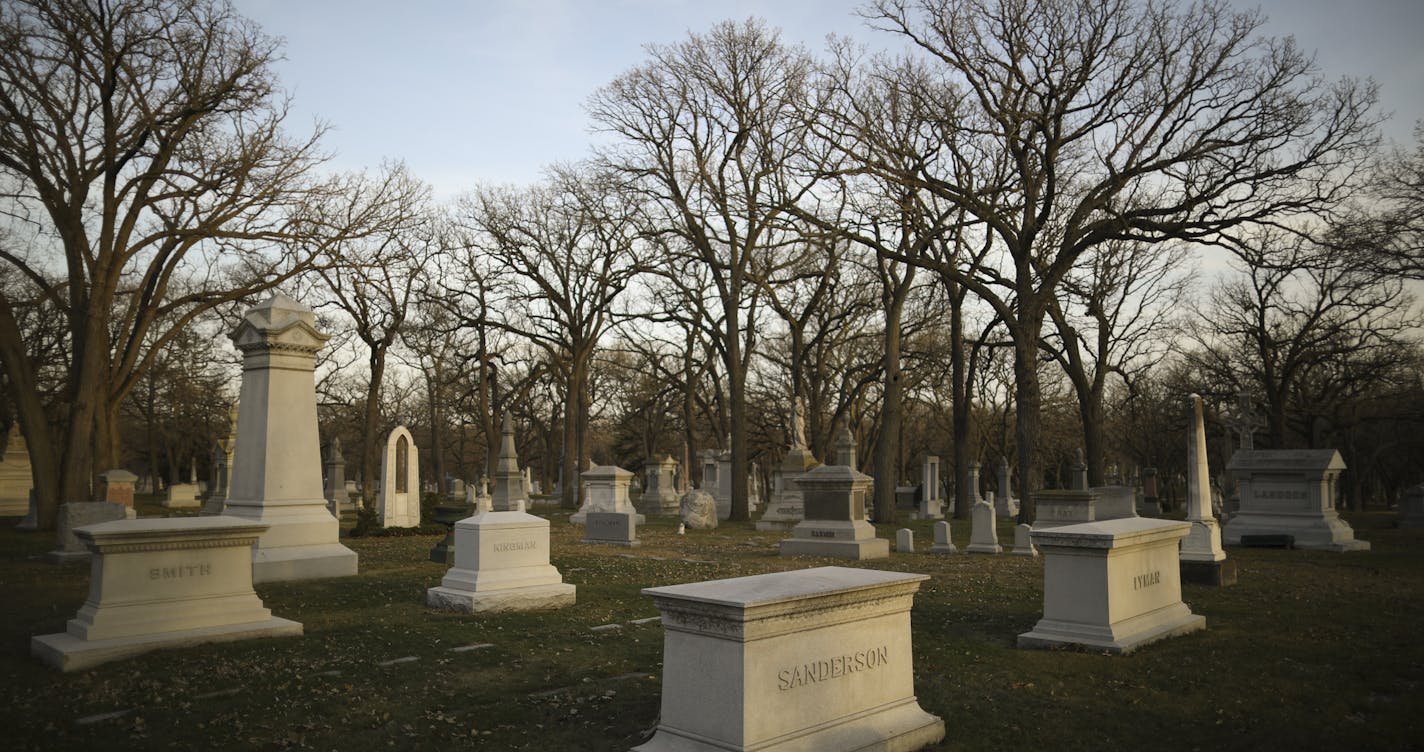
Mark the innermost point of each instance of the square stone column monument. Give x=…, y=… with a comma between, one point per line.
x=835, y=523
x=276, y=473
x=1203, y=559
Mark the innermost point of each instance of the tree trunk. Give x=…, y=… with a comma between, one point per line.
x=887, y=443
x=1028, y=402
x=962, y=409
x=573, y=451
x=437, y=459
x=371, y=449
x=736, y=386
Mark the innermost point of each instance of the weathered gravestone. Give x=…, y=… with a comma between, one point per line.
x=77, y=514
x=659, y=490
x=817, y=659
x=398, y=503
x=15, y=474
x=983, y=535
x=606, y=490
x=502, y=556
x=835, y=523
x=1112, y=586
x=905, y=540
x=616, y=528
x=786, y=505
x=163, y=583
x=1023, y=543
x=276, y=473
x=1005, y=505
x=1411, y=507
x=337, y=499
x=943, y=540
x=930, y=502
x=1290, y=492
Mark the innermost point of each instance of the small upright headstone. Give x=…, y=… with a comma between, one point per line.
x=1005, y=505
x=905, y=540
x=983, y=537
x=943, y=541
x=1023, y=545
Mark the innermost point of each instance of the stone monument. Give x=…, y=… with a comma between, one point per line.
x=816, y=659
x=607, y=491
x=276, y=473
x=337, y=499
x=1005, y=505
x=1290, y=492
x=835, y=523
x=502, y=556
x=659, y=490
x=931, y=504
x=398, y=503
x=1203, y=559
x=786, y=505
x=698, y=510
x=983, y=536
x=15, y=474
x=1112, y=586
x=943, y=540
x=1411, y=507
x=615, y=528
x=161, y=583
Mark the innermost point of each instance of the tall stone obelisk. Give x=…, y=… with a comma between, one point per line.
x=276, y=472
x=1203, y=560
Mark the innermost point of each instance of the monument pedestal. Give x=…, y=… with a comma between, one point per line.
x=1290, y=492
x=786, y=506
x=840, y=539
x=501, y=564
x=816, y=659
x=1112, y=586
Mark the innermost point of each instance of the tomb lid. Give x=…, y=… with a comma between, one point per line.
x=781, y=587
x=606, y=472
x=168, y=529
x=1126, y=531
x=1286, y=459
x=832, y=475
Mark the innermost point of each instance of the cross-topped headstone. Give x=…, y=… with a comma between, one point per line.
x=1245, y=422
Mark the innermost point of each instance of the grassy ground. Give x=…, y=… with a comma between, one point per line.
x=1310, y=651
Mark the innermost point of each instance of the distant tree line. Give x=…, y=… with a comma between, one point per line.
x=1031, y=231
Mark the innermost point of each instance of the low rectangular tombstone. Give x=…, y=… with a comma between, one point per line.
x=1290, y=492
x=1114, y=502
x=616, y=528
x=815, y=659
x=181, y=496
x=163, y=583
x=75, y=515
x=1112, y=586
x=1064, y=507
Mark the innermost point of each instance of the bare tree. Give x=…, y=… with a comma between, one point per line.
x=376, y=281
x=143, y=142
x=1079, y=123
x=708, y=128
x=568, y=250
x=1116, y=317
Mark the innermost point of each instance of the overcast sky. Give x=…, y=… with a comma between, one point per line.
x=493, y=90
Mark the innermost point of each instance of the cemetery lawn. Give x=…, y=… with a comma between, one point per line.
x=1310, y=650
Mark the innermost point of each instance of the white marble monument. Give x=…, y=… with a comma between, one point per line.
x=816, y=659
x=983, y=534
x=606, y=490
x=943, y=539
x=1112, y=586
x=502, y=556
x=398, y=503
x=659, y=490
x=163, y=583
x=1203, y=558
x=276, y=473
